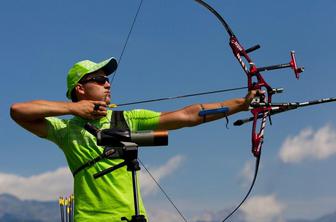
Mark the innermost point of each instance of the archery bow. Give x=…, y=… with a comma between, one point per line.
x=253, y=73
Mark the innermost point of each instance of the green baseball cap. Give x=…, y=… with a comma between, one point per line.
x=85, y=67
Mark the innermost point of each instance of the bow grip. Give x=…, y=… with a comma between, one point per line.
x=258, y=138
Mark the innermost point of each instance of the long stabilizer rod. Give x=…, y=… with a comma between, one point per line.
x=277, y=108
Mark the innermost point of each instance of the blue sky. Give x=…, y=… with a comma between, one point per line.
x=178, y=47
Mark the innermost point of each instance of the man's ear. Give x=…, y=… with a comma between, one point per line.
x=79, y=89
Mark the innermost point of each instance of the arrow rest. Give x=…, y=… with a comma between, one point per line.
x=277, y=90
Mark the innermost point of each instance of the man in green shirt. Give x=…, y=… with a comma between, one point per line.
x=110, y=197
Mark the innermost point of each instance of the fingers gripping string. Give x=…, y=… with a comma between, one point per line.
x=96, y=107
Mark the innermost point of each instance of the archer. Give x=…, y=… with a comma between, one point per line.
x=88, y=88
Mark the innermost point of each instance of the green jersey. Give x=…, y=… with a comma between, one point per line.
x=110, y=197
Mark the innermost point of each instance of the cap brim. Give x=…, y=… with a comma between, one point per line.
x=109, y=66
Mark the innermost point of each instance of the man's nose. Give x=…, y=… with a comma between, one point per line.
x=107, y=84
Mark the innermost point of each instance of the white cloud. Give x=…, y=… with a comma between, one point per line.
x=51, y=185
x=45, y=186
x=263, y=209
x=320, y=144
x=205, y=216
x=210, y=216
x=255, y=209
x=148, y=186
x=246, y=174
x=162, y=215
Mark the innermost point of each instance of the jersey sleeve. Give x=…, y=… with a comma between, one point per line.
x=57, y=130
x=142, y=119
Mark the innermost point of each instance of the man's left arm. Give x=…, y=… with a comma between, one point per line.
x=189, y=116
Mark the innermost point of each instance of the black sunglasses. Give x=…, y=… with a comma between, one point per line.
x=98, y=79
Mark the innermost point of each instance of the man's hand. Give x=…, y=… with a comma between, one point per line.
x=250, y=96
x=89, y=109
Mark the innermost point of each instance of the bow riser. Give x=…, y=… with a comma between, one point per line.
x=260, y=84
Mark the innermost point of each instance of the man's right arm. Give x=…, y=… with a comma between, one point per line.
x=31, y=115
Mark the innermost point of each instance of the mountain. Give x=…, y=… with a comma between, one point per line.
x=326, y=218
x=239, y=217
x=13, y=209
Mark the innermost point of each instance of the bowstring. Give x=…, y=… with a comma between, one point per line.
x=113, y=77
x=127, y=38
x=163, y=191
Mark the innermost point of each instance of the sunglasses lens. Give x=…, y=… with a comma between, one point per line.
x=97, y=79
x=101, y=79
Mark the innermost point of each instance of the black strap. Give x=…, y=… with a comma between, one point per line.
x=88, y=164
x=117, y=122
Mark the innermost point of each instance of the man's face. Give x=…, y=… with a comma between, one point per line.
x=96, y=87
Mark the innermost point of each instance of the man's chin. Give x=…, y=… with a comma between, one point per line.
x=107, y=100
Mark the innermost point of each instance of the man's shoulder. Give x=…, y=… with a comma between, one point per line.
x=54, y=119
x=57, y=123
